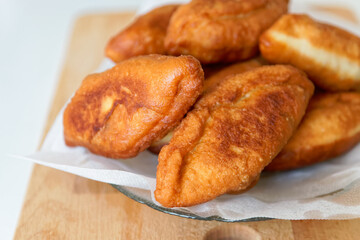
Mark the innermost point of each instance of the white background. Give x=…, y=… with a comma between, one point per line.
x=33, y=41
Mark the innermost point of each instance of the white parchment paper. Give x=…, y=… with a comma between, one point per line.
x=329, y=190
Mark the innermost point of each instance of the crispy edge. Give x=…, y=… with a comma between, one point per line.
x=313, y=144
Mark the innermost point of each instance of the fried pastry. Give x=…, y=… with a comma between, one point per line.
x=144, y=36
x=221, y=30
x=331, y=126
x=209, y=85
x=250, y=186
x=236, y=68
x=232, y=133
x=329, y=55
x=119, y=112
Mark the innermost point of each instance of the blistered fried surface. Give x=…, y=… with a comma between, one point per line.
x=217, y=76
x=232, y=133
x=331, y=126
x=119, y=112
x=221, y=30
x=329, y=55
x=144, y=36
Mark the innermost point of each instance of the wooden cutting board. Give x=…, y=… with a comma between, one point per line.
x=60, y=205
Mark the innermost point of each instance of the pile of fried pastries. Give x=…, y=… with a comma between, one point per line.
x=221, y=90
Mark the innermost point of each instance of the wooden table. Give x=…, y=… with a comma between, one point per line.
x=60, y=205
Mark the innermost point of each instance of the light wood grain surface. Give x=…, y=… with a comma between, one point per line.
x=59, y=205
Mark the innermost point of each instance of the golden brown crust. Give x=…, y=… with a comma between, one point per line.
x=329, y=55
x=251, y=185
x=232, y=133
x=218, y=75
x=119, y=112
x=221, y=30
x=144, y=36
x=331, y=126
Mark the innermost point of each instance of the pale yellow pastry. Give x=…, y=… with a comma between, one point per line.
x=329, y=55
